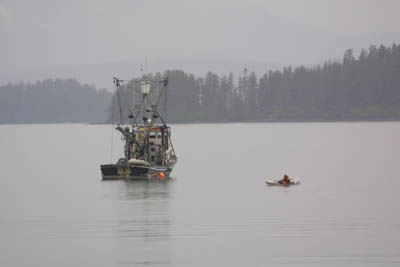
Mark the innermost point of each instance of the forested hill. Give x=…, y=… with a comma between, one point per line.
x=361, y=87
x=52, y=101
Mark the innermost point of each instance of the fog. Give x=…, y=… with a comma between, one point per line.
x=93, y=40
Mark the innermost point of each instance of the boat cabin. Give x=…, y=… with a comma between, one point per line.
x=158, y=144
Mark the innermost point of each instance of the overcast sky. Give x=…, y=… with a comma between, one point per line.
x=46, y=33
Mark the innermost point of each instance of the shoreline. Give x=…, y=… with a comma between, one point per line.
x=218, y=122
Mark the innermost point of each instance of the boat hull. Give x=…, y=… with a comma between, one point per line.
x=276, y=182
x=116, y=172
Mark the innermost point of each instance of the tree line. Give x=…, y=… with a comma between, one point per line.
x=359, y=87
x=363, y=87
x=53, y=101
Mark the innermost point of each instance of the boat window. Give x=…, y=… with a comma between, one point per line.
x=159, y=135
x=152, y=135
x=152, y=158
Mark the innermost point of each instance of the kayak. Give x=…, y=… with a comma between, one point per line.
x=276, y=182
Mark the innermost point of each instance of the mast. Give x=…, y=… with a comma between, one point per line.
x=137, y=139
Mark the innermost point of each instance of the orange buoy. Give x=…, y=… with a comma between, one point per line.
x=161, y=175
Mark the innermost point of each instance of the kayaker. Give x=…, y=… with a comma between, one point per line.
x=285, y=180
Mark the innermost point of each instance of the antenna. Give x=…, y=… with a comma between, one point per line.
x=141, y=70
x=145, y=65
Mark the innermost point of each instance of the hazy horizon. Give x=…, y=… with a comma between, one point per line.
x=48, y=39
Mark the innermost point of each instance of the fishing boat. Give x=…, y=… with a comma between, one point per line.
x=148, y=149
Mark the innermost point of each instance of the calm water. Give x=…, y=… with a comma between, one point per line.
x=217, y=211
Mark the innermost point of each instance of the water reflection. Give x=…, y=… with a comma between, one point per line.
x=144, y=225
x=150, y=190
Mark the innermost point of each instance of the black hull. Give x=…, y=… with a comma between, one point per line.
x=110, y=172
